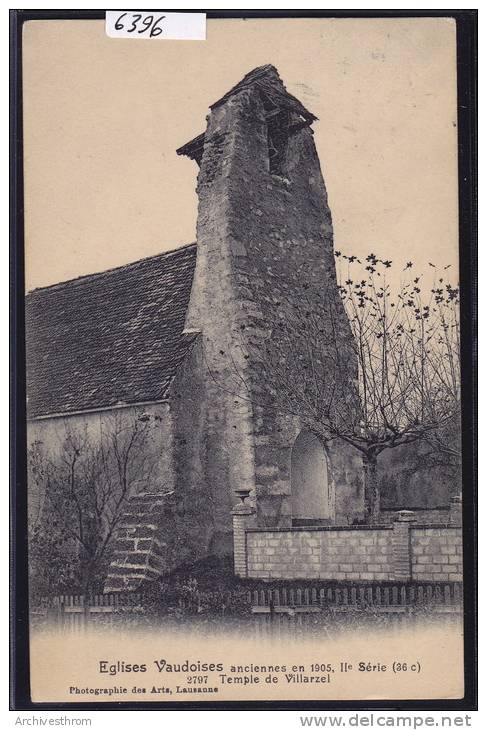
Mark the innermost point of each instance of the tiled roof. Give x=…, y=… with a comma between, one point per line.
x=109, y=338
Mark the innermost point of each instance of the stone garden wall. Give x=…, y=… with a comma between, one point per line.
x=402, y=551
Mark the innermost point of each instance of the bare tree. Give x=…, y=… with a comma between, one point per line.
x=407, y=350
x=83, y=488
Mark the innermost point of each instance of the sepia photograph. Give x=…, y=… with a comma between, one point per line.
x=243, y=360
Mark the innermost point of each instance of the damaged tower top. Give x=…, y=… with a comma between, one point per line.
x=284, y=113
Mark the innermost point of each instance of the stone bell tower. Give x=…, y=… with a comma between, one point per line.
x=265, y=252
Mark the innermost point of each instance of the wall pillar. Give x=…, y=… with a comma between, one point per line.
x=401, y=544
x=456, y=510
x=243, y=518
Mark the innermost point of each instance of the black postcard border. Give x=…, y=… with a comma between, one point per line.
x=466, y=21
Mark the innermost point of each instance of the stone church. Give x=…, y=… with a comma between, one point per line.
x=175, y=341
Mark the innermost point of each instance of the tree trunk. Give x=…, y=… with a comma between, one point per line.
x=372, y=494
x=88, y=576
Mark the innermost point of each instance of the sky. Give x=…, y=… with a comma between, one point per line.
x=103, y=118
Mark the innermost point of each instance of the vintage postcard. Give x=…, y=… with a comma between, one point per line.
x=243, y=360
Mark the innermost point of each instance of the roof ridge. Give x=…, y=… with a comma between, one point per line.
x=114, y=269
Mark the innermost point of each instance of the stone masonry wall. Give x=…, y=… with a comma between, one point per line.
x=436, y=553
x=264, y=245
x=139, y=552
x=178, y=509
x=399, y=552
x=202, y=498
x=325, y=554
x=163, y=531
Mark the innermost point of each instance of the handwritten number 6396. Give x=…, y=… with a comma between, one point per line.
x=146, y=21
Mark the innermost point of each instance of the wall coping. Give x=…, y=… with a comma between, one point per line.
x=353, y=528
x=434, y=526
x=442, y=508
x=320, y=528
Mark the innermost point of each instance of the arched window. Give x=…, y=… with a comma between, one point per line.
x=311, y=488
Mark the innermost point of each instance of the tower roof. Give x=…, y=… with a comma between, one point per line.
x=274, y=95
x=267, y=80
